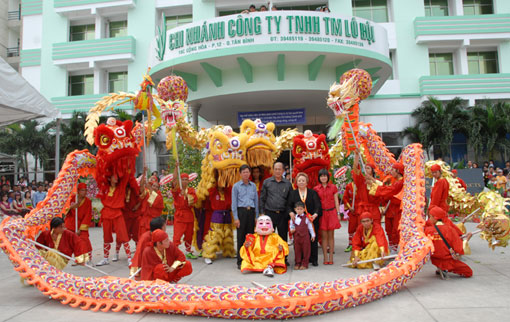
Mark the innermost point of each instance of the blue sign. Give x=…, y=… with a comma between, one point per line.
x=281, y=117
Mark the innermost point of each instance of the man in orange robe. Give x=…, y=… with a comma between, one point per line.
x=446, y=259
x=144, y=241
x=83, y=206
x=369, y=242
x=152, y=204
x=439, y=192
x=163, y=260
x=351, y=204
x=63, y=240
x=184, y=217
x=459, y=180
x=393, y=195
x=113, y=220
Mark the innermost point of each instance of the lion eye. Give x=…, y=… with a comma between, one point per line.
x=105, y=140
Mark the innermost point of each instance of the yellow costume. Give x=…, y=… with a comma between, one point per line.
x=264, y=251
x=371, y=251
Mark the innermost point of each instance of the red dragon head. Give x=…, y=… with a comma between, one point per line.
x=310, y=154
x=118, y=145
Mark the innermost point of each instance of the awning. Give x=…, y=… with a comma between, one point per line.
x=19, y=101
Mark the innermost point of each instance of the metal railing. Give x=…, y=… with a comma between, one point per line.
x=14, y=15
x=13, y=52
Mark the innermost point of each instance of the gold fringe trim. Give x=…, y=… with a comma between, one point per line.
x=259, y=158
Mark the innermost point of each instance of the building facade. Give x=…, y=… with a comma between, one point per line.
x=10, y=31
x=275, y=64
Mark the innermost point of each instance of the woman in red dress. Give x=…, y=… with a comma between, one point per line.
x=330, y=220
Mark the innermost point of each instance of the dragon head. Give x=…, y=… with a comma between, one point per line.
x=118, y=145
x=311, y=153
x=261, y=143
x=355, y=85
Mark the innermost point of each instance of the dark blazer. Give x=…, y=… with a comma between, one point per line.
x=312, y=202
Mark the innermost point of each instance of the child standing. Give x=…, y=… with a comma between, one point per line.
x=301, y=228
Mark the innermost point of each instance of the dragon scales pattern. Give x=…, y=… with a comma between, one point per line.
x=279, y=301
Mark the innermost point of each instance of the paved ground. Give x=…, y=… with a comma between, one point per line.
x=485, y=296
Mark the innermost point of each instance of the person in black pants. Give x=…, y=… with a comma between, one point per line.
x=273, y=200
x=245, y=207
x=313, y=207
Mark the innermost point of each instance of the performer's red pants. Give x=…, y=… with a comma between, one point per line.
x=183, y=229
x=116, y=225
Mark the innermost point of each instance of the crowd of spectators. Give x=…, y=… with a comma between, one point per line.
x=497, y=178
x=17, y=199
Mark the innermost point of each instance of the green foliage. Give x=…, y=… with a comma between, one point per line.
x=436, y=122
x=489, y=126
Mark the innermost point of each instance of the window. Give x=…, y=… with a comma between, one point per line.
x=392, y=59
x=477, y=7
x=375, y=10
x=441, y=64
x=483, y=62
x=176, y=21
x=83, y=32
x=117, y=82
x=118, y=28
x=81, y=85
x=436, y=8
x=394, y=142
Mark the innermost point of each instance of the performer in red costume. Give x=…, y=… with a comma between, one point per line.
x=393, y=195
x=113, y=220
x=369, y=242
x=64, y=241
x=351, y=203
x=132, y=212
x=366, y=202
x=439, y=192
x=459, y=180
x=144, y=241
x=83, y=206
x=163, y=260
x=152, y=204
x=184, y=217
x=448, y=248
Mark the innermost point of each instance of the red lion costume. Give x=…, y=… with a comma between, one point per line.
x=118, y=145
x=311, y=154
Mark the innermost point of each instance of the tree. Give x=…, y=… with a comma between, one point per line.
x=27, y=137
x=489, y=125
x=437, y=121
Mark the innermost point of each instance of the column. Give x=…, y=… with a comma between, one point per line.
x=100, y=26
x=194, y=114
x=461, y=63
x=456, y=8
x=99, y=80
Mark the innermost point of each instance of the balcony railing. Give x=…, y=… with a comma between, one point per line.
x=465, y=84
x=80, y=103
x=95, y=47
x=14, y=15
x=462, y=25
x=13, y=52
